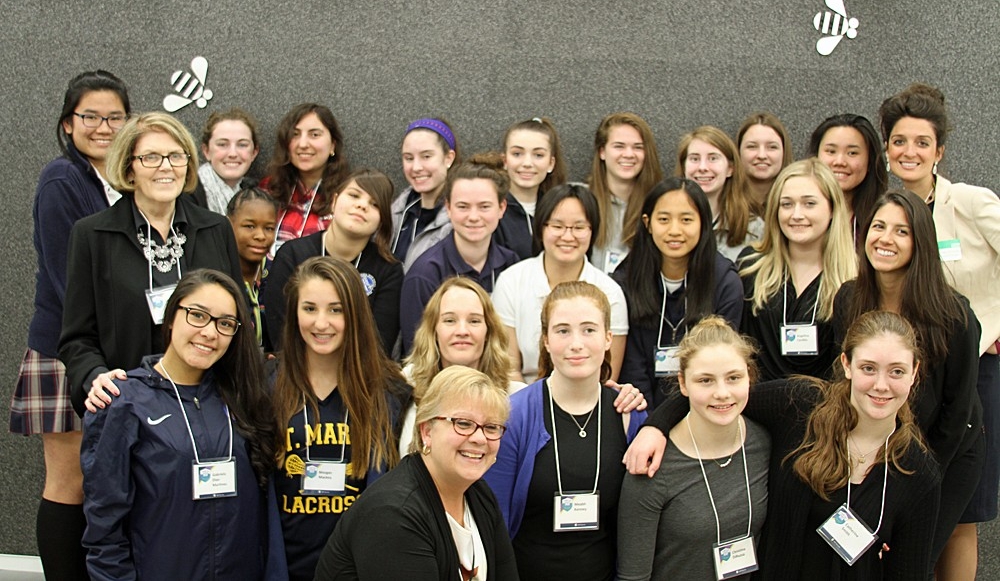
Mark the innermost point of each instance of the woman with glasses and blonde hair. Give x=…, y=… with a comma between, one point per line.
x=126, y=261
x=432, y=517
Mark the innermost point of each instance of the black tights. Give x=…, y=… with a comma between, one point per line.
x=59, y=530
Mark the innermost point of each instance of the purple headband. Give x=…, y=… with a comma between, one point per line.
x=437, y=126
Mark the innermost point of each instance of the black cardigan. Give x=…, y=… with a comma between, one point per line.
x=106, y=322
x=398, y=530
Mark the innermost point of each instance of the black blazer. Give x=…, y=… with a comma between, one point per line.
x=106, y=322
x=398, y=529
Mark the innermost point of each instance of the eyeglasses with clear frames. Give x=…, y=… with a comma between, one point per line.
x=225, y=324
x=577, y=230
x=94, y=121
x=155, y=160
x=467, y=427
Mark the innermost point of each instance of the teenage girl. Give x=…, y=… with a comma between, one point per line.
x=791, y=277
x=901, y=272
x=337, y=398
x=714, y=485
x=565, y=221
x=624, y=167
x=419, y=219
x=849, y=145
x=476, y=200
x=672, y=279
x=533, y=158
x=253, y=214
x=709, y=157
x=765, y=150
x=359, y=232
x=72, y=186
x=565, y=440
x=229, y=145
x=308, y=164
x=176, y=469
x=967, y=223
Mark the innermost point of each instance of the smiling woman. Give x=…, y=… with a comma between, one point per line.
x=229, y=145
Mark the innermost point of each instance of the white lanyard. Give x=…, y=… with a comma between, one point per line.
x=305, y=214
x=305, y=429
x=746, y=474
x=885, y=482
x=149, y=250
x=322, y=245
x=784, y=305
x=663, y=315
x=555, y=441
x=187, y=423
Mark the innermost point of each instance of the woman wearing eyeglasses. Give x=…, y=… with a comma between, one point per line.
x=432, y=517
x=70, y=187
x=126, y=261
x=176, y=469
x=565, y=220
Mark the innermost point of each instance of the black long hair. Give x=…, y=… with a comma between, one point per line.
x=643, y=263
x=79, y=86
x=239, y=373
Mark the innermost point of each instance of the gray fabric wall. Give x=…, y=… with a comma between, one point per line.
x=483, y=65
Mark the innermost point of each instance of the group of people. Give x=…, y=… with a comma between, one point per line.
x=451, y=381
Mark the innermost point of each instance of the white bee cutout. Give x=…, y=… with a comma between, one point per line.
x=836, y=25
x=189, y=87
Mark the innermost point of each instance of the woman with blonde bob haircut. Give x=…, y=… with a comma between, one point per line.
x=792, y=276
x=432, y=516
x=709, y=157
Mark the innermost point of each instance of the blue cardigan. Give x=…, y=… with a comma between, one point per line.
x=526, y=436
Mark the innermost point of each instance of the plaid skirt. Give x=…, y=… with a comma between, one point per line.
x=41, y=403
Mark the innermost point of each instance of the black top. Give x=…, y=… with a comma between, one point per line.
x=765, y=328
x=945, y=402
x=790, y=547
x=514, y=230
x=586, y=555
x=383, y=281
x=399, y=530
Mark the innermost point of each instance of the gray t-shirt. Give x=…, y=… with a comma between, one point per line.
x=666, y=527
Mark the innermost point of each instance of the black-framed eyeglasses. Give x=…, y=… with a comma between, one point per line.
x=155, y=160
x=94, y=121
x=467, y=427
x=225, y=324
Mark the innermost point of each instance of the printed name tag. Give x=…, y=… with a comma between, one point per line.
x=157, y=300
x=799, y=340
x=576, y=512
x=323, y=478
x=667, y=362
x=734, y=557
x=950, y=250
x=214, y=479
x=846, y=534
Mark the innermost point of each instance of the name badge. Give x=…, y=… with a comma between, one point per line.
x=734, y=557
x=612, y=260
x=323, y=478
x=667, y=362
x=157, y=300
x=846, y=534
x=799, y=340
x=577, y=512
x=214, y=479
x=950, y=250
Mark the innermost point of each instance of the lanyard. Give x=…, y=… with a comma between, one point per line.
x=784, y=304
x=555, y=441
x=663, y=315
x=743, y=450
x=149, y=250
x=187, y=423
x=322, y=246
x=885, y=481
x=305, y=428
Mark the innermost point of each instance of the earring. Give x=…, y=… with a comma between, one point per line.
x=888, y=167
x=426, y=449
x=934, y=168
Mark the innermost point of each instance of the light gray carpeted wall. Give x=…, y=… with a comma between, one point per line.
x=483, y=65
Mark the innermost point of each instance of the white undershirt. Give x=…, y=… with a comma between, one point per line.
x=469, y=544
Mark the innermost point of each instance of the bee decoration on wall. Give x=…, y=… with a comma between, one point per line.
x=836, y=25
x=189, y=87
